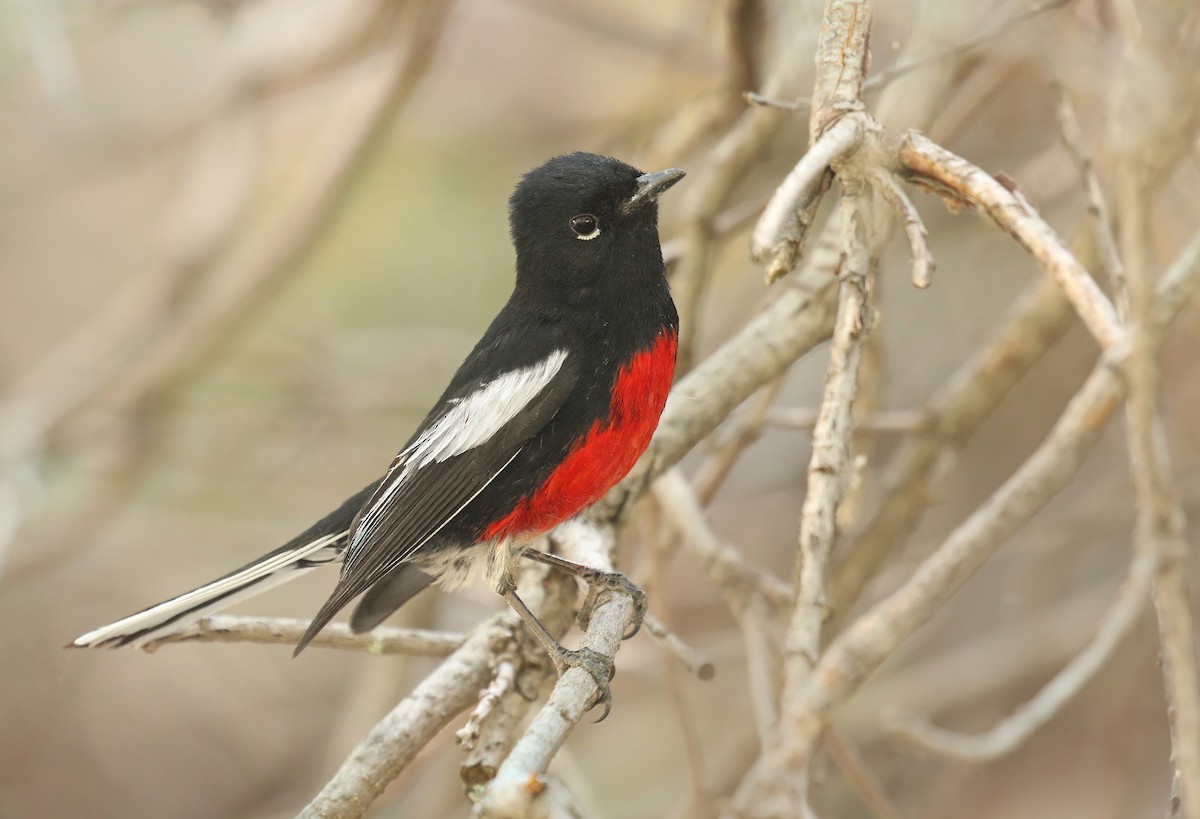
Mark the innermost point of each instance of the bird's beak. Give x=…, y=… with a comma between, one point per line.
x=651, y=185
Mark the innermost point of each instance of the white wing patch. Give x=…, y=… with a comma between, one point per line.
x=471, y=421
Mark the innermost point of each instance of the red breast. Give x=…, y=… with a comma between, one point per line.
x=607, y=452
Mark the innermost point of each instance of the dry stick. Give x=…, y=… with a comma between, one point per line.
x=223, y=628
x=693, y=753
x=1004, y=738
x=764, y=659
x=1098, y=211
x=722, y=564
x=918, y=237
x=751, y=594
x=847, y=760
x=694, y=662
x=552, y=596
x=875, y=636
x=801, y=185
x=1161, y=523
x=889, y=75
x=830, y=464
x=388, y=748
x=1013, y=213
x=502, y=683
x=1035, y=323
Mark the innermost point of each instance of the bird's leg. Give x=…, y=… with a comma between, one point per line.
x=597, y=579
x=593, y=662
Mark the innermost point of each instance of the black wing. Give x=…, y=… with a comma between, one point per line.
x=422, y=493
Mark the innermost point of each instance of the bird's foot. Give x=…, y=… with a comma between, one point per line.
x=600, y=667
x=599, y=581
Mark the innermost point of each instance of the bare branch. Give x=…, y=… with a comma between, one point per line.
x=914, y=228
x=1016, y=729
x=803, y=183
x=518, y=789
x=1013, y=213
x=223, y=628
x=883, y=421
x=393, y=743
x=859, y=650
x=696, y=663
x=502, y=683
x=1161, y=522
x=830, y=465
x=723, y=565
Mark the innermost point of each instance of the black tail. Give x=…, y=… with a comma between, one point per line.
x=322, y=543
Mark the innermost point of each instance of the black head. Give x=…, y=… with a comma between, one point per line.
x=581, y=218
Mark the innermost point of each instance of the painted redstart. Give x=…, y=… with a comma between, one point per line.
x=550, y=410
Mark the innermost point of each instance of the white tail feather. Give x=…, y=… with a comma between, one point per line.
x=170, y=615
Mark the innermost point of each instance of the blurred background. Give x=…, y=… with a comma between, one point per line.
x=244, y=244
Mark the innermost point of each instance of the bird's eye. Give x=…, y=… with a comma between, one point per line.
x=585, y=226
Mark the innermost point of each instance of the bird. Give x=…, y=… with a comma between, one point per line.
x=549, y=410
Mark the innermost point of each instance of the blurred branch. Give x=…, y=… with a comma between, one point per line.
x=710, y=188
x=1034, y=324
x=223, y=628
x=884, y=421
x=161, y=330
x=876, y=635
x=746, y=431
x=1004, y=738
x=1159, y=530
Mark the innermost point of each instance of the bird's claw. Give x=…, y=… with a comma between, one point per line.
x=600, y=667
x=617, y=582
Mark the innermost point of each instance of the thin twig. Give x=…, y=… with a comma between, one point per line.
x=746, y=431
x=502, y=683
x=723, y=565
x=1098, y=210
x=860, y=777
x=918, y=237
x=1034, y=324
x=800, y=187
x=692, y=660
x=1013, y=213
x=1161, y=523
